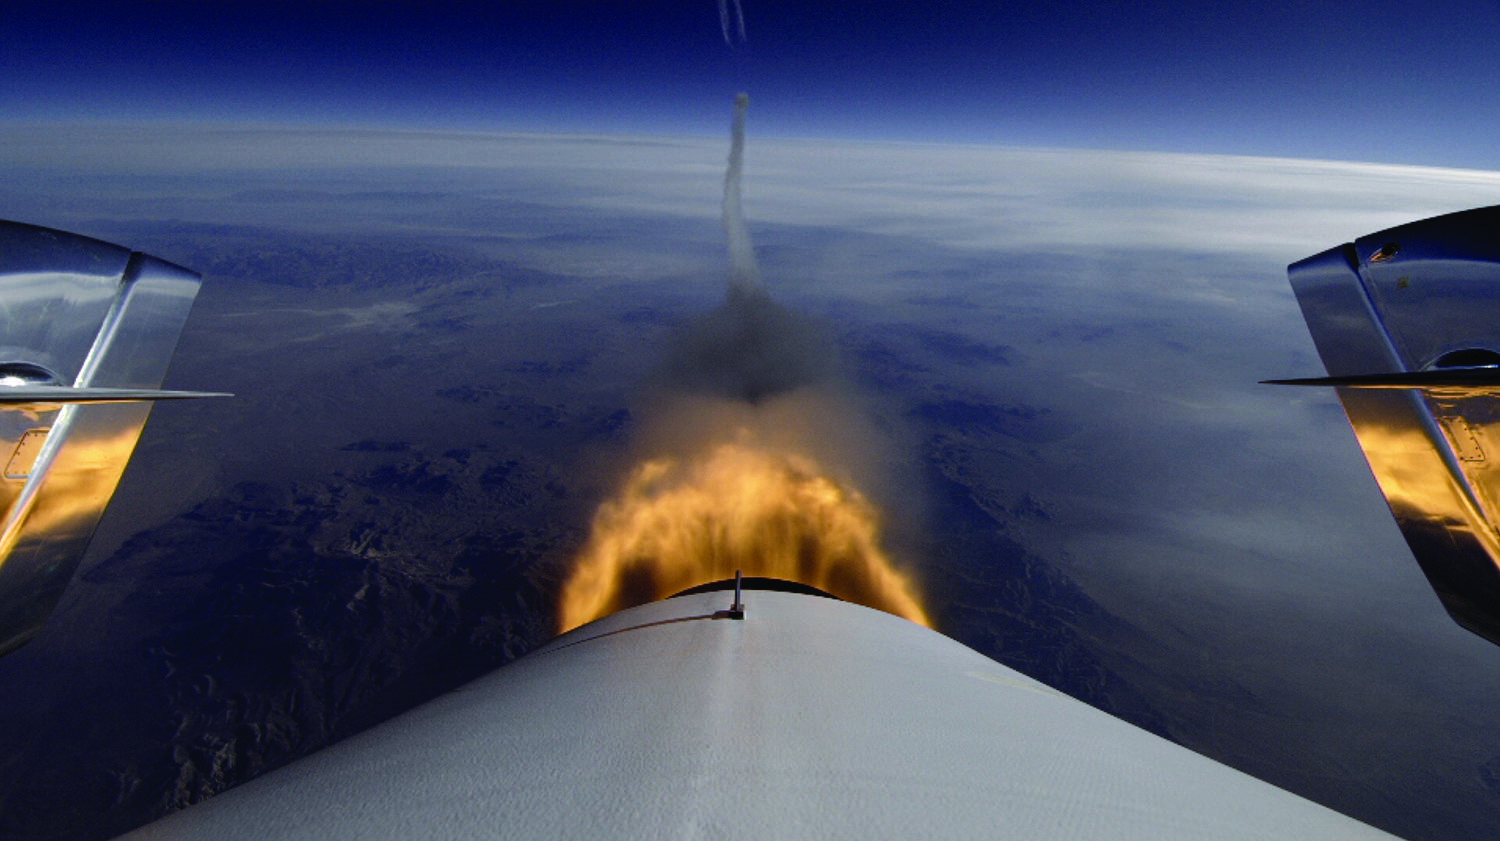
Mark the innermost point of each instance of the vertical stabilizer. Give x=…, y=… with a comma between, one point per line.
x=86, y=332
x=1407, y=322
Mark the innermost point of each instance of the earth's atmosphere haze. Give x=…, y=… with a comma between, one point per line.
x=1049, y=287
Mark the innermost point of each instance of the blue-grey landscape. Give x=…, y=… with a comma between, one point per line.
x=446, y=346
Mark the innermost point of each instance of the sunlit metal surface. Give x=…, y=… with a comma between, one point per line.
x=77, y=311
x=1389, y=312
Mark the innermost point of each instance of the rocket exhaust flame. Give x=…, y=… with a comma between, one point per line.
x=679, y=522
x=748, y=458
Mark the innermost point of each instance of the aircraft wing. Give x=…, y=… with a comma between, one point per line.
x=86, y=332
x=809, y=718
x=1407, y=322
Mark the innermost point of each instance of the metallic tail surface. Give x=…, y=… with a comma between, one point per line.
x=86, y=332
x=1407, y=322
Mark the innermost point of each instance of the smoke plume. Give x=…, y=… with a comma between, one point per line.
x=751, y=456
x=744, y=272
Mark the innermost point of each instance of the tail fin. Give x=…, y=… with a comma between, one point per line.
x=86, y=332
x=1407, y=322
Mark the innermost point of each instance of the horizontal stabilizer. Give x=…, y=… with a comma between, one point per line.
x=1481, y=380
x=42, y=397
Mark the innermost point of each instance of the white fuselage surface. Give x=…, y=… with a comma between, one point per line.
x=809, y=718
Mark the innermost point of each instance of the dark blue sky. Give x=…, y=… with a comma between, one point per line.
x=1383, y=81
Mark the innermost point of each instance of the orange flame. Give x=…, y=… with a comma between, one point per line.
x=679, y=522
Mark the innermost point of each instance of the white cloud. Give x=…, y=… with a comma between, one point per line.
x=965, y=196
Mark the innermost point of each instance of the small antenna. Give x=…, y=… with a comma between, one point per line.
x=737, y=609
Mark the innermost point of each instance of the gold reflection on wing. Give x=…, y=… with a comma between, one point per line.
x=680, y=521
x=1419, y=484
x=70, y=488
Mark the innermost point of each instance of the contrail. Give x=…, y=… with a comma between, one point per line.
x=738, y=21
x=744, y=274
